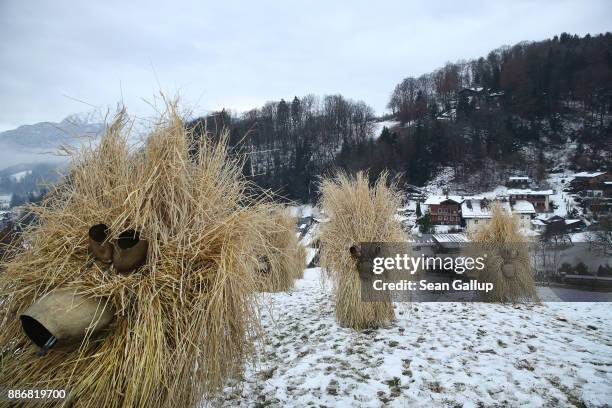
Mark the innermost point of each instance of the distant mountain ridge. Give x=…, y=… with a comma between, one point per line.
x=51, y=134
x=36, y=143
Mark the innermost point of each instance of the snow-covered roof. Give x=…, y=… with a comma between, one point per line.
x=538, y=222
x=519, y=178
x=523, y=207
x=449, y=114
x=437, y=199
x=548, y=216
x=455, y=238
x=478, y=211
x=587, y=174
x=608, y=183
x=573, y=221
x=421, y=239
x=478, y=197
x=528, y=191
x=474, y=89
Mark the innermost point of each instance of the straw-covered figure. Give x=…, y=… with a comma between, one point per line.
x=357, y=214
x=507, y=264
x=135, y=287
x=283, y=258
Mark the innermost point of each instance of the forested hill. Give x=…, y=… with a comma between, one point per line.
x=287, y=145
x=524, y=109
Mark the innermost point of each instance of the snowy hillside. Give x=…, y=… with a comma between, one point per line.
x=435, y=355
x=379, y=126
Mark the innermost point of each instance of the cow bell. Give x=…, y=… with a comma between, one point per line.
x=99, y=246
x=64, y=317
x=130, y=251
x=509, y=270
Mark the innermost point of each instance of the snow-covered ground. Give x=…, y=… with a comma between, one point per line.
x=305, y=210
x=434, y=355
x=378, y=126
x=441, y=181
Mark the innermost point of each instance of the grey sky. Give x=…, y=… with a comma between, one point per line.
x=240, y=55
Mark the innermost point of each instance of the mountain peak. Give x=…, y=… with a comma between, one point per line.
x=33, y=143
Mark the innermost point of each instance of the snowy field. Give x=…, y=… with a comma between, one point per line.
x=434, y=355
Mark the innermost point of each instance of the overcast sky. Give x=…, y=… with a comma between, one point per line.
x=54, y=54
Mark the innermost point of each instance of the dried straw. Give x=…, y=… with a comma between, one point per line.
x=357, y=214
x=283, y=259
x=186, y=320
x=504, y=244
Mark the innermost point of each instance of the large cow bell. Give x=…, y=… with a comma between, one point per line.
x=64, y=317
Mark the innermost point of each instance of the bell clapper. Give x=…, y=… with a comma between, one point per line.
x=45, y=348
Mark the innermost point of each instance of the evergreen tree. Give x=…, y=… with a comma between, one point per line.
x=296, y=112
x=463, y=107
x=425, y=224
x=385, y=135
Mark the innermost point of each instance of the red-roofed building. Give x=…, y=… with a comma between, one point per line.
x=444, y=210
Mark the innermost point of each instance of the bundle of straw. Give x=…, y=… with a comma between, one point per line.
x=357, y=214
x=283, y=259
x=507, y=265
x=184, y=321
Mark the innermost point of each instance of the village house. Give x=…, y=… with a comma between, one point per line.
x=481, y=98
x=540, y=199
x=444, y=209
x=598, y=204
x=477, y=211
x=546, y=223
x=596, y=191
x=538, y=225
x=524, y=211
x=593, y=180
